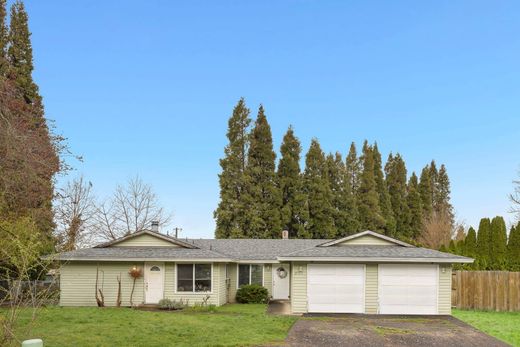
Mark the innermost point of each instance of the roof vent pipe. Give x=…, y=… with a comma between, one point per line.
x=285, y=234
x=155, y=226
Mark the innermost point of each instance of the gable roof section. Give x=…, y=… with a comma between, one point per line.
x=364, y=234
x=155, y=234
x=374, y=254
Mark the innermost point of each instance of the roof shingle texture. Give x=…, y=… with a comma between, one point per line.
x=256, y=249
x=141, y=253
x=367, y=251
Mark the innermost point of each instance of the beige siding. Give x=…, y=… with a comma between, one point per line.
x=171, y=293
x=444, y=303
x=366, y=240
x=299, y=287
x=371, y=289
x=222, y=287
x=268, y=278
x=144, y=240
x=78, y=282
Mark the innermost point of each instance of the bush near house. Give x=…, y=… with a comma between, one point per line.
x=252, y=294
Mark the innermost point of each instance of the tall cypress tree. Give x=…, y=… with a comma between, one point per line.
x=483, y=243
x=513, y=248
x=294, y=211
x=498, y=244
x=343, y=203
x=20, y=53
x=395, y=170
x=262, y=196
x=4, y=38
x=229, y=214
x=317, y=188
x=442, y=202
x=353, y=168
x=470, y=248
x=414, y=203
x=369, y=210
x=425, y=190
x=382, y=190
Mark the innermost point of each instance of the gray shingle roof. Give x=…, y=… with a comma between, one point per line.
x=368, y=251
x=138, y=253
x=256, y=249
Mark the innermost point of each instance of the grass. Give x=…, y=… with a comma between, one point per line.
x=502, y=325
x=391, y=331
x=229, y=325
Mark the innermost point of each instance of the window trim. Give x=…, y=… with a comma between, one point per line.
x=193, y=271
x=250, y=265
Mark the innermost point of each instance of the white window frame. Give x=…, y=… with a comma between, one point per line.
x=193, y=271
x=238, y=273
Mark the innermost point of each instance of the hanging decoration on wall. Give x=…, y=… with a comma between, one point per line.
x=282, y=273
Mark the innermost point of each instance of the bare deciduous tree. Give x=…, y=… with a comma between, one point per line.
x=437, y=230
x=515, y=198
x=75, y=210
x=132, y=208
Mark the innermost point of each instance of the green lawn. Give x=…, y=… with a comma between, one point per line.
x=229, y=325
x=502, y=325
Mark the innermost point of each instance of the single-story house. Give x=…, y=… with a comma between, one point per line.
x=362, y=273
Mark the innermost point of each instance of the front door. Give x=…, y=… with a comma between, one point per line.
x=153, y=282
x=281, y=281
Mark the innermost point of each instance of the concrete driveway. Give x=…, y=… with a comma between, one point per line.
x=371, y=330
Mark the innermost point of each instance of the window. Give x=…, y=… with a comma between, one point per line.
x=194, y=277
x=250, y=274
x=155, y=268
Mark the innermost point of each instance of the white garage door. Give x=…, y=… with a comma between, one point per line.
x=336, y=288
x=408, y=289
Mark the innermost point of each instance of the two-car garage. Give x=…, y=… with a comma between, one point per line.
x=401, y=288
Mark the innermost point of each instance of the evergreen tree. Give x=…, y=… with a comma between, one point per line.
x=483, y=243
x=370, y=215
x=415, y=207
x=442, y=194
x=262, y=196
x=353, y=168
x=384, y=198
x=343, y=202
x=498, y=244
x=4, y=38
x=229, y=215
x=395, y=170
x=20, y=54
x=426, y=192
x=317, y=188
x=513, y=248
x=294, y=211
x=470, y=248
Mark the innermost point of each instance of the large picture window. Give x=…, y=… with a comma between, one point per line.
x=194, y=277
x=250, y=274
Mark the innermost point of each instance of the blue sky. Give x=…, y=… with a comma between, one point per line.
x=147, y=87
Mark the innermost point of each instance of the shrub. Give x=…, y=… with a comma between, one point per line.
x=252, y=294
x=167, y=304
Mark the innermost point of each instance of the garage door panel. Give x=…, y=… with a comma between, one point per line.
x=408, y=289
x=335, y=288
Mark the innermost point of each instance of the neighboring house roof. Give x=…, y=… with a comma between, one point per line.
x=256, y=249
x=372, y=253
x=167, y=238
x=142, y=254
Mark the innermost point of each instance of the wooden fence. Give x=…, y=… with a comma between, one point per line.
x=486, y=290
